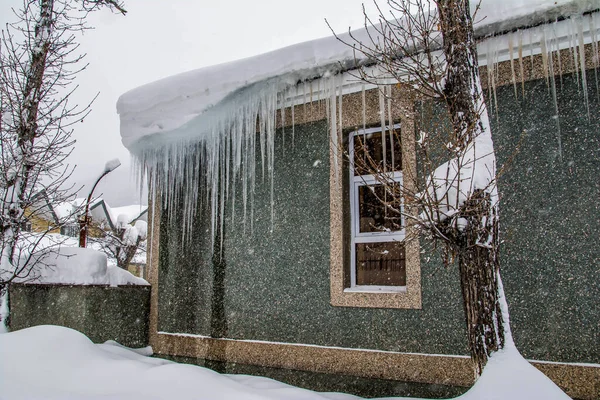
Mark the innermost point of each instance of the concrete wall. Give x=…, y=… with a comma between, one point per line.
x=100, y=312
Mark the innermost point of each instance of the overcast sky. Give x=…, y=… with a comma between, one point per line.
x=159, y=38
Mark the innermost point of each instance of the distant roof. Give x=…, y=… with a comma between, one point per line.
x=102, y=212
x=168, y=105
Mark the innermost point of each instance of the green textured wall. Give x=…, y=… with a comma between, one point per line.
x=185, y=276
x=100, y=312
x=276, y=276
x=550, y=219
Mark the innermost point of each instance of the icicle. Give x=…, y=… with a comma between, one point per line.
x=262, y=135
x=552, y=77
x=388, y=95
x=596, y=59
x=223, y=184
x=333, y=125
x=490, y=72
x=521, y=70
x=340, y=98
x=319, y=95
x=531, y=48
x=492, y=60
x=214, y=169
x=382, y=118
x=544, y=50
x=304, y=99
x=282, y=113
x=512, y=62
x=294, y=117
x=582, y=63
x=364, y=107
x=271, y=143
x=573, y=47
x=558, y=57
x=311, y=97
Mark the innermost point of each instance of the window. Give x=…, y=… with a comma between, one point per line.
x=377, y=259
x=374, y=252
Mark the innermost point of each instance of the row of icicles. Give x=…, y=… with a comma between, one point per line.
x=215, y=169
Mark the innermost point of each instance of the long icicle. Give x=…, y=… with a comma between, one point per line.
x=555, y=100
x=582, y=62
x=521, y=70
x=512, y=62
x=382, y=117
x=388, y=98
x=595, y=49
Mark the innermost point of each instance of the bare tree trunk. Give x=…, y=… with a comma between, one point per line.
x=477, y=245
x=479, y=272
x=28, y=124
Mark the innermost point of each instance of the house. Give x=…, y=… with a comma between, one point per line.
x=258, y=252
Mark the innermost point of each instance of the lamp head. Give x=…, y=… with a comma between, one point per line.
x=112, y=165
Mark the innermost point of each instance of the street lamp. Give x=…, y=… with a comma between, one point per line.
x=85, y=221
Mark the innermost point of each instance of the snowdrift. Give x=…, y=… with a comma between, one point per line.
x=51, y=362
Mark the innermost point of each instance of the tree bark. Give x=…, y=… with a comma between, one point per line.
x=28, y=123
x=477, y=245
x=479, y=272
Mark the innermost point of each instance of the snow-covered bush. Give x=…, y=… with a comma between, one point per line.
x=125, y=241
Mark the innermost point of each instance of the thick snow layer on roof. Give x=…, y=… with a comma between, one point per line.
x=168, y=104
x=52, y=362
x=130, y=212
x=59, y=260
x=78, y=266
x=101, y=211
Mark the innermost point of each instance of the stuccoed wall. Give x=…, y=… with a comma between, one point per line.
x=276, y=276
x=550, y=218
x=272, y=282
x=102, y=313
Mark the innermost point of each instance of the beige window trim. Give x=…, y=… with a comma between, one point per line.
x=340, y=295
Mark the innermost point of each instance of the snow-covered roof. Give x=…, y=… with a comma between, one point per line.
x=172, y=105
x=102, y=212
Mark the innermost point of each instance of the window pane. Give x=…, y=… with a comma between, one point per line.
x=368, y=153
x=381, y=264
x=374, y=216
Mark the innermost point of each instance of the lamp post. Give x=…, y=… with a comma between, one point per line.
x=85, y=220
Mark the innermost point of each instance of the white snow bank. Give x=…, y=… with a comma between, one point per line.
x=170, y=103
x=51, y=362
x=71, y=265
x=508, y=375
x=79, y=266
x=58, y=260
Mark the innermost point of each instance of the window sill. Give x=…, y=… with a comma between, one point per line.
x=376, y=289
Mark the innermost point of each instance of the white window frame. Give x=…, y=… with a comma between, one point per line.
x=356, y=181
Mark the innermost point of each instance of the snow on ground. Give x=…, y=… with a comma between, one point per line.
x=51, y=362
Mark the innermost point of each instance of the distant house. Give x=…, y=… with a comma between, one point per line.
x=111, y=219
x=258, y=240
x=102, y=213
x=62, y=217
